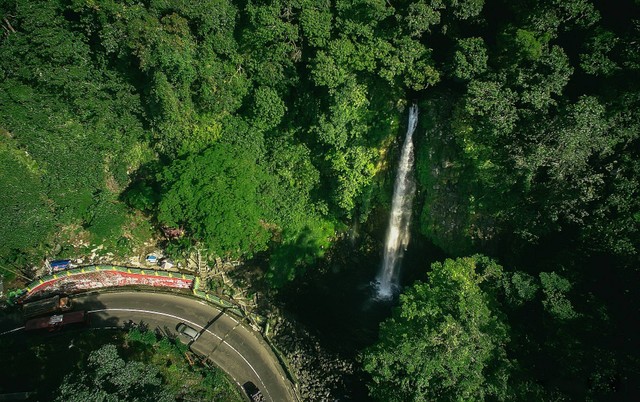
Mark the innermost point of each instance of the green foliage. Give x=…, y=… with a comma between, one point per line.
x=105, y=218
x=215, y=196
x=421, y=16
x=272, y=40
x=596, y=60
x=528, y=45
x=265, y=125
x=554, y=288
x=141, y=196
x=27, y=218
x=272, y=120
x=410, y=60
x=354, y=170
x=465, y=9
x=299, y=250
x=110, y=378
x=316, y=24
x=144, y=337
x=268, y=108
x=74, y=119
x=519, y=287
x=303, y=229
x=470, y=60
x=446, y=340
x=494, y=105
x=526, y=156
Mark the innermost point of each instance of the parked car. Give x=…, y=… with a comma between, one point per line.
x=60, y=265
x=151, y=259
x=188, y=331
x=253, y=392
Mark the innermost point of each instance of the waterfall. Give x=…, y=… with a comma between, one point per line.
x=398, y=231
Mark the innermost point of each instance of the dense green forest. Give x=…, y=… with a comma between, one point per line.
x=269, y=128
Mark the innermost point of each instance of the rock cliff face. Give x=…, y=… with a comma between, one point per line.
x=321, y=375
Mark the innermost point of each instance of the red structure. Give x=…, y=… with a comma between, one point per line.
x=55, y=322
x=79, y=282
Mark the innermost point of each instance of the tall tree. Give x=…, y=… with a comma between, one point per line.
x=108, y=377
x=215, y=195
x=446, y=340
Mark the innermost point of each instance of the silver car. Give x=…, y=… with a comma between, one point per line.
x=186, y=330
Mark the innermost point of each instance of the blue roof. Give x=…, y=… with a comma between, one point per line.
x=59, y=263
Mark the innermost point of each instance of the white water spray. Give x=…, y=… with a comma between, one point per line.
x=400, y=218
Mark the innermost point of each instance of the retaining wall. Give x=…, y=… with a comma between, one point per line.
x=103, y=276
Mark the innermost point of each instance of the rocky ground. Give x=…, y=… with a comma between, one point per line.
x=321, y=375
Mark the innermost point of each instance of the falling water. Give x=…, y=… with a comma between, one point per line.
x=400, y=218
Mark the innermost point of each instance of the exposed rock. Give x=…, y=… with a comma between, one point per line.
x=321, y=375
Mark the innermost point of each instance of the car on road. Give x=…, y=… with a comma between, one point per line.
x=151, y=259
x=188, y=331
x=253, y=392
x=60, y=265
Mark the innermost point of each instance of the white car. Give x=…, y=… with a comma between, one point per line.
x=188, y=331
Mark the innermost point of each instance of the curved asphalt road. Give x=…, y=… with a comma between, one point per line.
x=229, y=344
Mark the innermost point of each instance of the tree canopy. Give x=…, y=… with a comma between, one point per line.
x=215, y=196
x=113, y=379
x=267, y=129
x=445, y=340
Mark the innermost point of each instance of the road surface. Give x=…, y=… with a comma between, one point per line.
x=230, y=345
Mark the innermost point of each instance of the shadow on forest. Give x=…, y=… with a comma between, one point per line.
x=35, y=363
x=336, y=300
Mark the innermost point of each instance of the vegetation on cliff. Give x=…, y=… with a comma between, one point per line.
x=265, y=128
